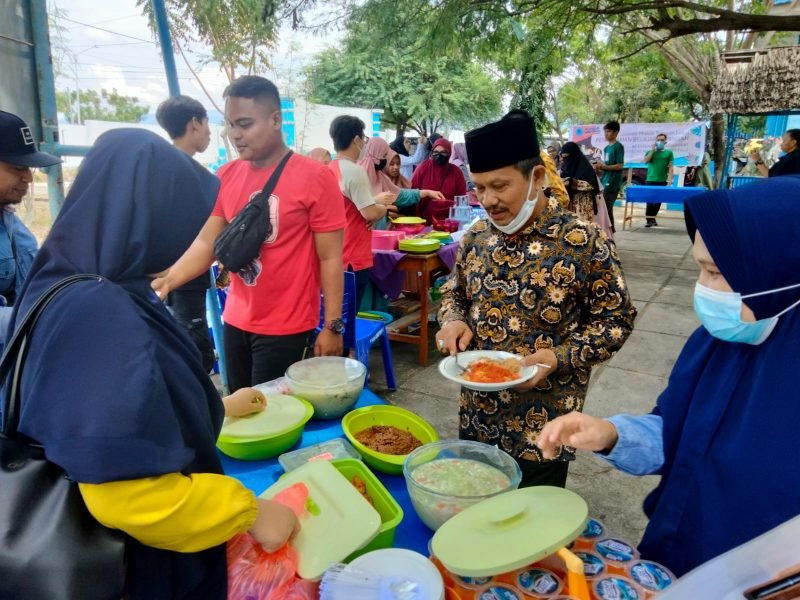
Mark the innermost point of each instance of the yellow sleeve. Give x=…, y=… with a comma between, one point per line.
x=183, y=513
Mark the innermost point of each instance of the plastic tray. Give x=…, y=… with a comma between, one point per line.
x=387, y=507
x=330, y=450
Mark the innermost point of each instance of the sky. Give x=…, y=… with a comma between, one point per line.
x=126, y=56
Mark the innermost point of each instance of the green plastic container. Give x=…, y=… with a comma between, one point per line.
x=384, y=414
x=269, y=447
x=387, y=507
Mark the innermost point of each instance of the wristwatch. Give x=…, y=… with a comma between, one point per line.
x=336, y=326
x=759, y=163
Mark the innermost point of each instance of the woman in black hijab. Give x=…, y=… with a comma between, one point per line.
x=583, y=187
x=113, y=387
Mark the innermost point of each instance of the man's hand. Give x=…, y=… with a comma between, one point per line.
x=579, y=431
x=328, y=344
x=275, y=525
x=755, y=155
x=432, y=194
x=453, y=337
x=547, y=361
x=243, y=402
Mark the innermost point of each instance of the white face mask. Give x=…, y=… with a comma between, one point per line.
x=523, y=215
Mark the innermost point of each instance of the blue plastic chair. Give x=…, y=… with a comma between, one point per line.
x=366, y=331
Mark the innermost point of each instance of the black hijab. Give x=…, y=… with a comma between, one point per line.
x=398, y=145
x=577, y=166
x=113, y=387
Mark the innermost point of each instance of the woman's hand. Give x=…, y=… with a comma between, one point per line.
x=243, y=402
x=386, y=198
x=432, y=194
x=275, y=525
x=161, y=285
x=453, y=337
x=579, y=431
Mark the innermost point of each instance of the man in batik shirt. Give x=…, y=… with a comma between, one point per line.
x=535, y=280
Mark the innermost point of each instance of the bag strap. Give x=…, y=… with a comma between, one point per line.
x=269, y=187
x=17, y=348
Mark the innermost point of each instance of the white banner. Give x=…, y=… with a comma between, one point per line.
x=686, y=140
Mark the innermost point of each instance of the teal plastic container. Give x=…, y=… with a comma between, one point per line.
x=387, y=507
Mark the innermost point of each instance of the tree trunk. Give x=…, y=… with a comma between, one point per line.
x=400, y=128
x=718, y=147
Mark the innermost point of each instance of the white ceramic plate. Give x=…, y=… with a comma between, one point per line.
x=449, y=369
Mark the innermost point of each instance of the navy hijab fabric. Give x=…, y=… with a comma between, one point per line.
x=731, y=410
x=113, y=387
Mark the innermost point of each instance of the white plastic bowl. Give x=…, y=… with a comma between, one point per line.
x=331, y=384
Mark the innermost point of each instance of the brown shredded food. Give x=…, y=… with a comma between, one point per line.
x=388, y=440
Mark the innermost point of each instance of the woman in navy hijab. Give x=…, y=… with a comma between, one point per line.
x=113, y=387
x=723, y=435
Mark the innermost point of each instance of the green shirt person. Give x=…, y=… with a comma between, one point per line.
x=611, y=168
x=660, y=167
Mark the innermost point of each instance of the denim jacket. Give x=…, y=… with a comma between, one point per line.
x=17, y=251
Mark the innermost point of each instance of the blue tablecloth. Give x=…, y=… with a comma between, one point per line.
x=260, y=474
x=655, y=194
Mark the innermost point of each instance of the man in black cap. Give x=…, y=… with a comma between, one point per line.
x=534, y=280
x=18, y=155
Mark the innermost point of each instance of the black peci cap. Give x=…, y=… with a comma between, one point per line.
x=503, y=143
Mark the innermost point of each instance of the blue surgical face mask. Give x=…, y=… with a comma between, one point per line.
x=660, y=145
x=721, y=315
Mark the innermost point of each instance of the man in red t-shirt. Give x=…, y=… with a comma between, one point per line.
x=273, y=305
x=361, y=209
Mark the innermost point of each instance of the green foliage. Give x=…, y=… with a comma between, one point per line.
x=238, y=32
x=102, y=106
x=640, y=88
x=421, y=87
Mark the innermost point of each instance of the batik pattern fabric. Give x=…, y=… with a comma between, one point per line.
x=557, y=284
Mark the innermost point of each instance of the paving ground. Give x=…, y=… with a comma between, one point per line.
x=661, y=276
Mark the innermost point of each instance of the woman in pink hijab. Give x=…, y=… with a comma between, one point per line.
x=374, y=163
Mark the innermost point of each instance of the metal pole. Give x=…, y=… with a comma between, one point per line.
x=47, y=101
x=165, y=40
x=733, y=123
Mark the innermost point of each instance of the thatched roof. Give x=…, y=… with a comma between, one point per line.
x=760, y=81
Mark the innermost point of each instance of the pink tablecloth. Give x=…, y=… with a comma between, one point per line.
x=390, y=281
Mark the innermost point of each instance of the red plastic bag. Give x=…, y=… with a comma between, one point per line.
x=254, y=574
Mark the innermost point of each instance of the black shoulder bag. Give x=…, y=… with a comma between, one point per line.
x=240, y=242
x=50, y=545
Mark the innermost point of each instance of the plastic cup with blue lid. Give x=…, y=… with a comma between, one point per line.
x=615, y=587
x=651, y=576
x=617, y=553
x=536, y=582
